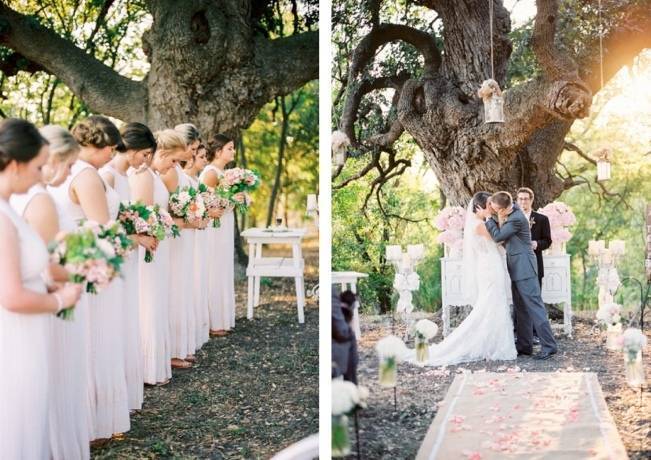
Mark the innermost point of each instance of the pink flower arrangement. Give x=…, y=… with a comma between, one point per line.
x=450, y=221
x=560, y=217
x=187, y=203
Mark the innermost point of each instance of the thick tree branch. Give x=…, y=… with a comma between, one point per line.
x=354, y=98
x=288, y=63
x=103, y=89
x=386, y=33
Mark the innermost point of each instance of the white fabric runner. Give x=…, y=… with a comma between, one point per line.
x=520, y=415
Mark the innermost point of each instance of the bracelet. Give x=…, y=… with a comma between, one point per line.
x=60, y=305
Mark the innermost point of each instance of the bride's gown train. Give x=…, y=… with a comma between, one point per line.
x=487, y=332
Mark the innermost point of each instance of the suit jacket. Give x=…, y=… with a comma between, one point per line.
x=344, y=344
x=541, y=233
x=520, y=259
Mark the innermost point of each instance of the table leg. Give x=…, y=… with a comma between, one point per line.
x=256, y=280
x=300, y=298
x=353, y=287
x=567, y=318
x=446, y=320
x=249, y=299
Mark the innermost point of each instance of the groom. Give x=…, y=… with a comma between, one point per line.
x=521, y=262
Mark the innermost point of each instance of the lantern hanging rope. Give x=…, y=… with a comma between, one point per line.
x=490, y=91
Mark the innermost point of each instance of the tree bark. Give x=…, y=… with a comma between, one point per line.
x=282, y=144
x=444, y=115
x=208, y=65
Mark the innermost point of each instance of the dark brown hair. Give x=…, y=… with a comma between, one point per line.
x=20, y=141
x=136, y=136
x=502, y=199
x=217, y=143
x=479, y=199
x=96, y=131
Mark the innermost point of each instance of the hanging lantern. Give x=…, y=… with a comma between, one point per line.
x=340, y=143
x=603, y=164
x=491, y=94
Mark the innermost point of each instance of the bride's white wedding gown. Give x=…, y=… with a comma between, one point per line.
x=487, y=332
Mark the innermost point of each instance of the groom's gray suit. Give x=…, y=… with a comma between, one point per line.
x=521, y=263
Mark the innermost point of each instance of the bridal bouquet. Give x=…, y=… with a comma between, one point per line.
x=213, y=199
x=187, y=204
x=89, y=259
x=114, y=233
x=560, y=218
x=236, y=184
x=346, y=398
x=140, y=219
x=170, y=229
x=450, y=222
x=391, y=350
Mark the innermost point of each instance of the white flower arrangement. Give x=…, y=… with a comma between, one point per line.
x=609, y=314
x=346, y=396
x=391, y=347
x=106, y=247
x=426, y=328
x=634, y=340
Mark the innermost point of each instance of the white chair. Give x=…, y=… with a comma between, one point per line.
x=305, y=449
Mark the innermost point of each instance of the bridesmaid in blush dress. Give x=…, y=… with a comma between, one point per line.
x=182, y=260
x=115, y=174
x=85, y=195
x=26, y=308
x=201, y=256
x=148, y=188
x=221, y=265
x=68, y=402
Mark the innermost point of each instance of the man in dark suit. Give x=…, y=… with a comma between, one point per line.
x=344, y=343
x=541, y=234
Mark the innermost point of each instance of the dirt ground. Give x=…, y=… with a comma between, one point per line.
x=251, y=394
x=389, y=434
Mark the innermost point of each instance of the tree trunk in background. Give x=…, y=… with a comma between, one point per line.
x=209, y=66
x=282, y=145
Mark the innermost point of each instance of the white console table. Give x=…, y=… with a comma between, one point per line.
x=556, y=287
x=259, y=266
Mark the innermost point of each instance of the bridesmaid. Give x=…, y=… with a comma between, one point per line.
x=84, y=195
x=201, y=256
x=148, y=188
x=115, y=174
x=68, y=401
x=221, y=265
x=25, y=306
x=181, y=259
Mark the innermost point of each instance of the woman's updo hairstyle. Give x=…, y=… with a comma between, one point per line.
x=189, y=132
x=169, y=140
x=20, y=141
x=62, y=144
x=480, y=199
x=136, y=136
x=96, y=131
x=217, y=143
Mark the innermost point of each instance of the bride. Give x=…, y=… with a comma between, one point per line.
x=487, y=332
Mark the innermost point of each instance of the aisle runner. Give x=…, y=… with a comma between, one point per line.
x=520, y=415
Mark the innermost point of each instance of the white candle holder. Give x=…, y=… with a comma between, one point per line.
x=606, y=258
x=406, y=280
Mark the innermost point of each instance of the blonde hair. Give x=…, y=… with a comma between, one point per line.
x=189, y=131
x=169, y=140
x=63, y=145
